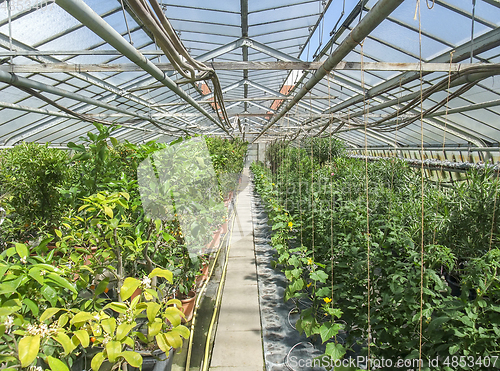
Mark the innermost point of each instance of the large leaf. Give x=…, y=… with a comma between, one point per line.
x=133, y=359
x=28, y=349
x=109, y=325
x=335, y=350
x=173, y=339
x=65, y=341
x=22, y=250
x=174, y=315
x=181, y=331
x=329, y=330
x=123, y=330
x=9, y=307
x=83, y=336
x=49, y=312
x=129, y=286
x=162, y=343
x=56, y=364
x=97, y=361
x=81, y=317
x=117, y=307
x=154, y=328
x=152, y=310
x=60, y=281
x=158, y=272
x=114, y=349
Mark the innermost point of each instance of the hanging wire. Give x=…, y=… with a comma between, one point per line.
x=9, y=10
x=126, y=23
x=331, y=195
x=444, y=136
x=368, y=247
x=420, y=335
x=472, y=30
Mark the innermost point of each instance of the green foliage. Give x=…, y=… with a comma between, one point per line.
x=31, y=178
x=344, y=211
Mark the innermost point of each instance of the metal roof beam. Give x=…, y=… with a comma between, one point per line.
x=482, y=43
x=372, y=19
x=85, y=14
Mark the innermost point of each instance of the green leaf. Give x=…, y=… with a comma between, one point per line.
x=129, y=286
x=101, y=287
x=182, y=331
x=329, y=330
x=62, y=282
x=97, y=361
x=173, y=339
x=108, y=211
x=436, y=323
x=109, y=325
x=28, y=349
x=22, y=250
x=453, y=349
x=83, y=336
x=165, y=273
x=58, y=233
x=133, y=359
x=56, y=364
x=319, y=276
x=114, y=349
x=65, y=341
x=113, y=141
x=152, y=310
x=154, y=328
x=81, y=317
x=49, y=312
x=334, y=350
x=162, y=343
x=174, y=315
x=9, y=307
x=117, y=307
x=123, y=330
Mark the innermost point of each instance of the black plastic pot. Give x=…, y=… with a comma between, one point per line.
x=159, y=361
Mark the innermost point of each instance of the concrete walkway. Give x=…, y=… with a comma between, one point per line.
x=238, y=341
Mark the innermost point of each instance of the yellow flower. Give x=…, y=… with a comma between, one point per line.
x=290, y=225
x=309, y=261
x=273, y=184
x=309, y=284
x=327, y=300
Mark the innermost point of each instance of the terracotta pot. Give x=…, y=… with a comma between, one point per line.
x=188, y=306
x=203, y=276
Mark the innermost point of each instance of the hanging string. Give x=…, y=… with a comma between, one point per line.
x=494, y=211
x=300, y=188
x=472, y=30
x=312, y=182
x=331, y=193
x=368, y=247
x=421, y=188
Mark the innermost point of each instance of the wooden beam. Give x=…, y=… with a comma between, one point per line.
x=351, y=66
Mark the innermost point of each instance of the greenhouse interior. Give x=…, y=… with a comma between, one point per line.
x=249, y=185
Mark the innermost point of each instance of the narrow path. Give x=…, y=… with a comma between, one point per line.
x=238, y=341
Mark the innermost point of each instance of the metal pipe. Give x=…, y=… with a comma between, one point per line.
x=44, y=111
x=402, y=149
x=23, y=82
x=83, y=13
x=374, y=17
